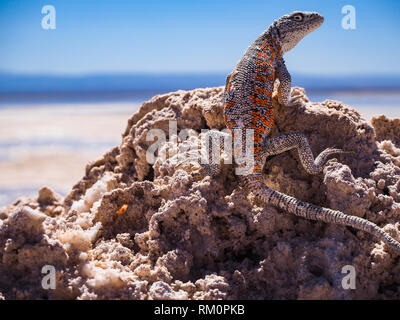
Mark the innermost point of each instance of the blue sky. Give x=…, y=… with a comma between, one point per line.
x=99, y=36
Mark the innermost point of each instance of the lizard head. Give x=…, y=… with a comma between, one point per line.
x=293, y=27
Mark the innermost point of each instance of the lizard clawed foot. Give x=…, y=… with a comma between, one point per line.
x=192, y=158
x=206, y=169
x=208, y=158
x=294, y=100
x=322, y=158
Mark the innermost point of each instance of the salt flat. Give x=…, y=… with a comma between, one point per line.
x=51, y=144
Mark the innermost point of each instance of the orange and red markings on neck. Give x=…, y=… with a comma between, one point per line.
x=271, y=45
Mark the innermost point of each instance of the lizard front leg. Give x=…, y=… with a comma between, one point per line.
x=285, y=85
x=297, y=140
x=214, y=142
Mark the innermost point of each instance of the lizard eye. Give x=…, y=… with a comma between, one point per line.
x=298, y=17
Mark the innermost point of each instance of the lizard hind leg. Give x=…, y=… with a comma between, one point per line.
x=297, y=140
x=312, y=212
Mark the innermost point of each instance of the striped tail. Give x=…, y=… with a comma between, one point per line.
x=313, y=212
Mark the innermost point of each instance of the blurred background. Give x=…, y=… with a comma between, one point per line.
x=66, y=92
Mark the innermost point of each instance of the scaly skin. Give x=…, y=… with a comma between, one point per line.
x=248, y=105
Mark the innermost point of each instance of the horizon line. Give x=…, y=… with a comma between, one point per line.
x=181, y=73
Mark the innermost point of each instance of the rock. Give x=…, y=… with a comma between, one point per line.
x=387, y=129
x=130, y=229
x=48, y=196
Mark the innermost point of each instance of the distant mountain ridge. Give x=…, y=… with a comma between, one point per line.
x=96, y=87
x=148, y=81
x=107, y=82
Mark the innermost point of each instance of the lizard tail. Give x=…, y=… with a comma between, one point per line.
x=313, y=212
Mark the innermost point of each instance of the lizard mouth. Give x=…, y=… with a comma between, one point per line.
x=318, y=19
x=315, y=22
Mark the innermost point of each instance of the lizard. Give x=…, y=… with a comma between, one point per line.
x=248, y=105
